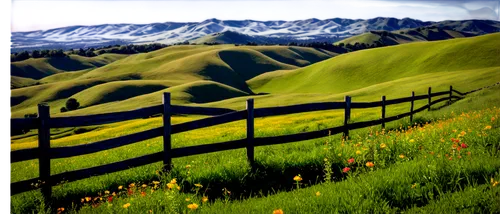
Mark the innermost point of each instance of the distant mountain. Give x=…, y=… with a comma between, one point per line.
x=385, y=38
x=174, y=32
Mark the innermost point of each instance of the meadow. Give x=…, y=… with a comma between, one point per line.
x=410, y=167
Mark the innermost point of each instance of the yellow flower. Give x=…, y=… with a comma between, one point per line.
x=278, y=211
x=487, y=127
x=114, y=194
x=88, y=199
x=358, y=152
x=297, y=178
x=383, y=146
x=193, y=206
x=495, y=183
x=401, y=156
x=156, y=182
x=120, y=187
x=204, y=199
x=144, y=186
x=170, y=185
x=414, y=185
x=173, y=181
x=178, y=188
x=188, y=199
x=131, y=185
x=126, y=205
x=106, y=192
x=370, y=164
x=198, y=185
x=318, y=193
x=412, y=141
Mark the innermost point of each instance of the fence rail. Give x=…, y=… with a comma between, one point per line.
x=220, y=116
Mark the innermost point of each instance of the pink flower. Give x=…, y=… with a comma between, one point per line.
x=346, y=169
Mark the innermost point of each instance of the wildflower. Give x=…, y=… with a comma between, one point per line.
x=188, y=199
x=318, y=194
x=495, y=184
x=83, y=200
x=340, y=154
x=144, y=185
x=350, y=161
x=192, y=206
x=60, y=209
x=156, y=182
x=198, y=185
x=469, y=153
x=370, y=164
x=170, y=185
x=278, y=211
x=178, y=188
x=143, y=194
x=106, y=192
x=462, y=133
x=131, y=185
x=110, y=199
x=325, y=159
x=382, y=146
x=412, y=141
x=463, y=145
x=297, y=178
x=188, y=166
x=487, y=127
x=204, y=199
x=126, y=205
x=492, y=119
x=414, y=185
x=173, y=181
x=358, y=152
x=451, y=158
x=401, y=156
x=120, y=187
x=88, y=199
x=346, y=169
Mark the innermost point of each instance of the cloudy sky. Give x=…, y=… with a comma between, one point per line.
x=29, y=15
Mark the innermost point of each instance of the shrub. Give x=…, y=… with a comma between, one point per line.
x=72, y=104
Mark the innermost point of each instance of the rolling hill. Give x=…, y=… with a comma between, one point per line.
x=361, y=69
x=43, y=67
x=387, y=38
x=174, y=32
x=183, y=69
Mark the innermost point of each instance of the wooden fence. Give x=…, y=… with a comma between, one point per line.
x=44, y=153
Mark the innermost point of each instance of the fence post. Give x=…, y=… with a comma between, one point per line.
x=44, y=149
x=451, y=94
x=411, y=106
x=383, y=112
x=347, y=115
x=167, y=130
x=250, y=132
x=429, y=99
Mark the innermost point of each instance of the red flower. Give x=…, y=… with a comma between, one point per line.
x=143, y=194
x=346, y=169
x=455, y=140
x=130, y=192
x=350, y=161
x=110, y=199
x=463, y=145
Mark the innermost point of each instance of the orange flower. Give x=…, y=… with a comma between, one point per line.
x=88, y=199
x=143, y=194
x=370, y=164
x=278, y=211
x=297, y=178
x=192, y=206
x=487, y=127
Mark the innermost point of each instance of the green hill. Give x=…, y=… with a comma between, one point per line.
x=43, y=67
x=227, y=37
x=174, y=66
x=19, y=82
x=361, y=69
x=387, y=38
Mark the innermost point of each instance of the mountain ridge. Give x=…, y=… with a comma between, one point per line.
x=178, y=32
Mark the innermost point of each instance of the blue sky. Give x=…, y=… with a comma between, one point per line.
x=29, y=15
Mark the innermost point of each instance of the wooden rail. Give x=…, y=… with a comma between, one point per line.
x=44, y=153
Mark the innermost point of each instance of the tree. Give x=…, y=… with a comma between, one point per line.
x=72, y=104
x=35, y=54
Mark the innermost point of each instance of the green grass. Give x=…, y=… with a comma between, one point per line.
x=365, y=68
x=216, y=170
x=385, y=188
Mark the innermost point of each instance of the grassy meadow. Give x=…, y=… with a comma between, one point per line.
x=447, y=160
